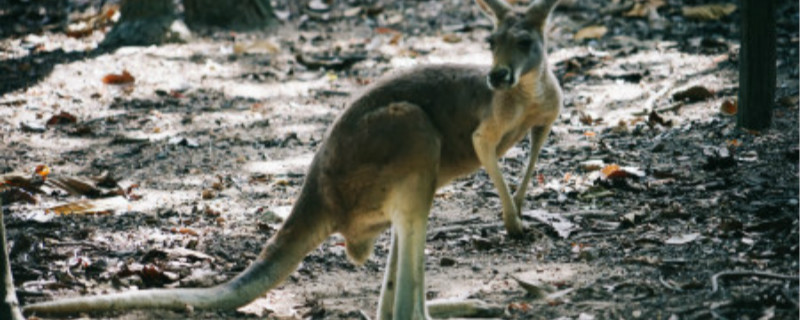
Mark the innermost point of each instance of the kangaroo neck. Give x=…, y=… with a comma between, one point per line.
x=528, y=89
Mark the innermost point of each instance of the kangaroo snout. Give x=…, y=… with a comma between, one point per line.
x=500, y=78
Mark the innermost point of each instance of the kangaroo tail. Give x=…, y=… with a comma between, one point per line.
x=302, y=232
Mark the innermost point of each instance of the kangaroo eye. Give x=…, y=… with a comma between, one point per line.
x=525, y=44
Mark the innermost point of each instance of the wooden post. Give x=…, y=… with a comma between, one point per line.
x=757, y=64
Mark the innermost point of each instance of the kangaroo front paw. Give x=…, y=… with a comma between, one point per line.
x=513, y=223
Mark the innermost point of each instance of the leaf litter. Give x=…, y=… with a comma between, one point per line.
x=686, y=196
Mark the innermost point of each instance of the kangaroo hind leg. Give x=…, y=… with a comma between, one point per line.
x=409, y=208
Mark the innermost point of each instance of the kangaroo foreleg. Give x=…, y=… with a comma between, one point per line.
x=538, y=137
x=485, y=141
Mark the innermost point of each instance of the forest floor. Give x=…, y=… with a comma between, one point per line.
x=214, y=136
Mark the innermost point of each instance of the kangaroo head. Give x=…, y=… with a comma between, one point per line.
x=517, y=42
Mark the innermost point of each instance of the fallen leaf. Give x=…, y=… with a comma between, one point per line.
x=385, y=30
x=535, y=290
x=592, y=165
x=610, y=169
x=709, y=12
x=695, y=93
x=613, y=171
x=451, y=38
x=124, y=78
x=643, y=9
x=61, y=119
x=729, y=107
x=590, y=32
x=654, y=118
x=682, y=238
x=188, y=231
x=91, y=207
x=562, y=226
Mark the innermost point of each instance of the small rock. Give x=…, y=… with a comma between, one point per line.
x=447, y=262
x=482, y=243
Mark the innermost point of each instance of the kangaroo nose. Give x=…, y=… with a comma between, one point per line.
x=499, y=75
x=500, y=78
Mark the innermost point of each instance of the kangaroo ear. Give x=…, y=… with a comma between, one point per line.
x=539, y=10
x=494, y=9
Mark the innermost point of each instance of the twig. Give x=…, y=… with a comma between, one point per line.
x=667, y=285
x=597, y=234
x=650, y=103
x=9, y=305
x=590, y=213
x=714, y=278
x=447, y=229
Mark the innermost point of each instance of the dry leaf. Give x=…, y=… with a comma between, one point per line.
x=185, y=231
x=614, y=171
x=729, y=107
x=451, y=38
x=92, y=207
x=61, y=118
x=537, y=291
x=709, y=12
x=590, y=32
x=385, y=30
x=592, y=165
x=683, y=238
x=642, y=9
x=396, y=39
x=610, y=170
x=124, y=78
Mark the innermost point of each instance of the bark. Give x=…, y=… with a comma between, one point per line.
x=757, y=64
x=238, y=15
x=143, y=23
x=9, y=308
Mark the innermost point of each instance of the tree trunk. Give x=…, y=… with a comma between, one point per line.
x=9, y=308
x=238, y=15
x=757, y=64
x=143, y=23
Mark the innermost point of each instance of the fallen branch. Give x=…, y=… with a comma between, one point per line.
x=715, y=278
x=9, y=308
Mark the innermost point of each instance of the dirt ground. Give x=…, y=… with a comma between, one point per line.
x=214, y=137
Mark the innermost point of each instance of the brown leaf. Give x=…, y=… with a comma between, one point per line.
x=61, y=119
x=642, y=9
x=451, y=38
x=654, y=118
x=188, y=231
x=124, y=78
x=729, y=107
x=76, y=187
x=611, y=170
x=709, y=12
x=91, y=206
x=590, y=32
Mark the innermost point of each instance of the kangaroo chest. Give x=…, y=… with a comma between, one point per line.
x=533, y=118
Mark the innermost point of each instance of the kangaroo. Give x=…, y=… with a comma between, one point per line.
x=415, y=132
